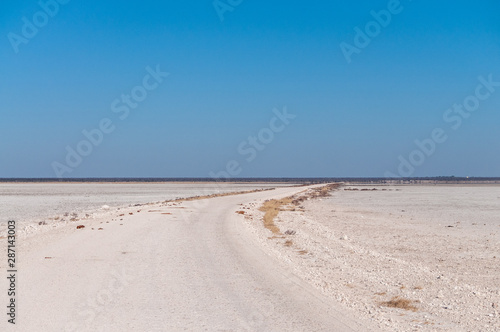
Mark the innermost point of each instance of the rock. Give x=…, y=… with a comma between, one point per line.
x=80, y=227
x=105, y=207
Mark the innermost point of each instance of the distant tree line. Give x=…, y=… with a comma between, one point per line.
x=361, y=180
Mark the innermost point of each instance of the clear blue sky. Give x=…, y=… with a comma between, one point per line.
x=226, y=77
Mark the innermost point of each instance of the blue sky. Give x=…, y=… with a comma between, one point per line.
x=357, y=118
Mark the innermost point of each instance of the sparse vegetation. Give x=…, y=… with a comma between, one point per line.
x=272, y=207
x=195, y=198
x=400, y=303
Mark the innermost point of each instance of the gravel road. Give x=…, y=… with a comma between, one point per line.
x=187, y=266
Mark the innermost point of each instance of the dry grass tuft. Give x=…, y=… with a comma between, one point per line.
x=288, y=243
x=323, y=191
x=271, y=208
x=195, y=198
x=400, y=303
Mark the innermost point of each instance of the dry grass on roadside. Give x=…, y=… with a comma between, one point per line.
x=195, y=198
x=400, y=303
x=319, y=192
x=271, y=208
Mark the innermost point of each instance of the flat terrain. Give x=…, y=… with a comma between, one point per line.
x=434, y=248
x=366, y=258
x=35, y=202
x=190, y=266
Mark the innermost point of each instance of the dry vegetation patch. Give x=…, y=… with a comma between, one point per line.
x=195, y=198
x=400, y=303
x=272, y=207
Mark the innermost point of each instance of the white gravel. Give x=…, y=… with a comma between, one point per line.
x=33, y=203
x=436, y=245
x=190, y=266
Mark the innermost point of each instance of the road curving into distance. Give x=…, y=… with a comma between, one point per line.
x=191, y=266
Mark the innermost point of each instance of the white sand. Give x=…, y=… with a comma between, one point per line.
x=191, y=266
x=366, y=247
x=198, y=265
x=32, y=203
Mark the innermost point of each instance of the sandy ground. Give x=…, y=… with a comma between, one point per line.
x=35, y=202
x=191, y=266
x=210, y=265
x=56, y=204
x=436, y=246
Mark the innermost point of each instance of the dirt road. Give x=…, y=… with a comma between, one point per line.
x=185, y=267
